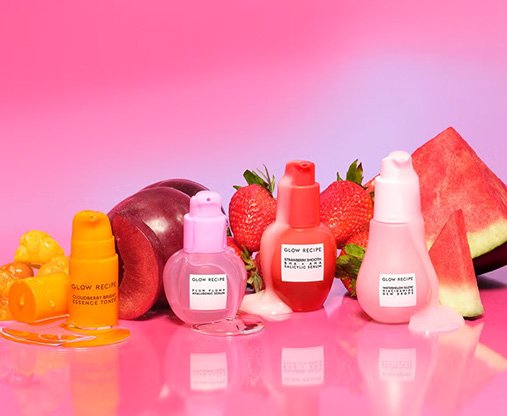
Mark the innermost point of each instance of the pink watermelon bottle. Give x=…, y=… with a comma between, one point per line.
x=393, y=282
x=397, y=282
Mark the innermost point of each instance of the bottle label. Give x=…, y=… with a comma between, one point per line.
x=397, y=364
x=93, y=299
x=397, y=290
x=302, y=262
x=208, y=372
x=208, y=292
x=303, y=366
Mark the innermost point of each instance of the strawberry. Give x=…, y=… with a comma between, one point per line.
x=252, y=209
x=359, y=239
x=345, y=206
x=350, y=259
x=251, y=264
x=235, y=248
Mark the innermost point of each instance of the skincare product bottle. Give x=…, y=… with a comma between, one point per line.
x=393, y=282
x=205, y=281
x=93, y=271
x=299, y=251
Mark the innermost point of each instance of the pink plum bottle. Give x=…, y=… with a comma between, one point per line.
x=394, y=282
x=205, y=281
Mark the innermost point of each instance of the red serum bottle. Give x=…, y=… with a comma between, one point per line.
x=297, y=249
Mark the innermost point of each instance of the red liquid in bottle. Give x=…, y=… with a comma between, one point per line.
x=299, y=251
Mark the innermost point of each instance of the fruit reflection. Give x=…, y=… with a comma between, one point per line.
x=38, y=376
x=455, y=357
x=141, y=360
x=347, y=321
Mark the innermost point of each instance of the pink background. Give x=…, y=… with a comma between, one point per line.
x=100, y=98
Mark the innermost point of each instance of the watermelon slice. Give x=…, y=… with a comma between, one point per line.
x=450, y=255
x=453, y=177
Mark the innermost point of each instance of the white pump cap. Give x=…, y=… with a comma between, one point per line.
x=397, y=194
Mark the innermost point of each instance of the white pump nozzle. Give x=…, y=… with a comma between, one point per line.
x=397, y=198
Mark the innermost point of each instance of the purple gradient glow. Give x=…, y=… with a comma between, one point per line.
x=100, y=98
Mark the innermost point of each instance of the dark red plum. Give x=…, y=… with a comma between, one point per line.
x=184, y=185
x=162, y=210
x=148, y=227
x=140, y=268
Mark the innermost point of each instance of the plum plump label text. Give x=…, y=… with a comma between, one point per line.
x=208, y=292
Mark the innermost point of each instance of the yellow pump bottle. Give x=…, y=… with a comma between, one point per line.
x=93, y=270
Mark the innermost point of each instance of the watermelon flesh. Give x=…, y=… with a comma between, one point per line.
x=450, y=255
x=453, y=177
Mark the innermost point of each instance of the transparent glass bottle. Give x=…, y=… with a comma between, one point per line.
x=205, y=281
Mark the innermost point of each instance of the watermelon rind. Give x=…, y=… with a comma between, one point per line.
x=450, y=255
x=484, y=241
x=464, y=301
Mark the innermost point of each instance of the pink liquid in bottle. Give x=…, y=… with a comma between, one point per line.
x=201, y=273
x=205, y=281
x=397, y=282
x=395, y=288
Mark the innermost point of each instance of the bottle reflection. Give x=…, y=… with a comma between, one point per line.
x=300, y=363
x=396, y=366
x=303, y=366
x=95, y=381
x=38, y=376
x=253, y=393
x=208, y=371
x=201, y=371
x=406, y=372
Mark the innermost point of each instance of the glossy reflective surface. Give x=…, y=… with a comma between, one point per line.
x=333, y=361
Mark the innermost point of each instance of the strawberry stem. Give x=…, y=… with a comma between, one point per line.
x=259, y=177
x=354, y=173
x=348, y=264
x=254, y=278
